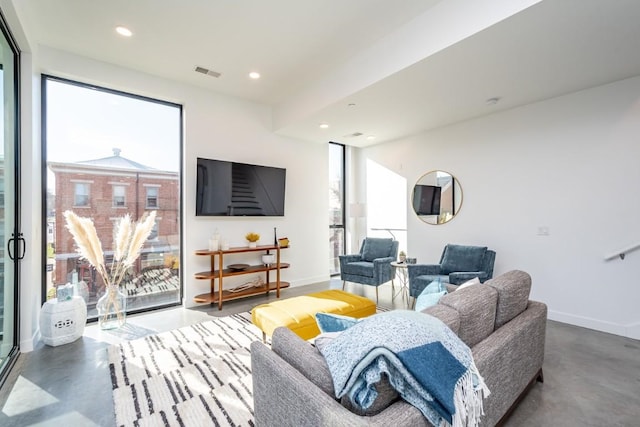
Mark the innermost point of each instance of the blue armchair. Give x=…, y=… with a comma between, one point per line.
x=372, y=266
x=458, y=264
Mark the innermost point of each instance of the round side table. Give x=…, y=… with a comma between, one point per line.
x=403, y=277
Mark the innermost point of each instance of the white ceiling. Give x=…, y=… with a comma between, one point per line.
x=407, y=65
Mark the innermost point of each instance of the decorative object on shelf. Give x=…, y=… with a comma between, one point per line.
x=224, y=245
x=283, y=241
x=129, y=239
x=238, y=267
x=275, y=236
x=402, y=256
x=252, y=238
x=255, y=283
x=412, y=260
x=268, y=259
x=62, y=322
x=214, y=241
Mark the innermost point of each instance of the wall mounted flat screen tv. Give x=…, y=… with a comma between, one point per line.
x=426, y=199
x=238, y=189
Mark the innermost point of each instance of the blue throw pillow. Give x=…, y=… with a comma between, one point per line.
x=427, y=300
x=435, y=286
x=329, y=322
x=430, y=295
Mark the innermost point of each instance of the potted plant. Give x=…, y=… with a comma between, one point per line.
x=129, y=238
x=252, y=238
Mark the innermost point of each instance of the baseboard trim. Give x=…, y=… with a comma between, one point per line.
x=633, y=331
x=30, y=344
x=629, y=331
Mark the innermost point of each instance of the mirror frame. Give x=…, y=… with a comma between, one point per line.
x=455, y=203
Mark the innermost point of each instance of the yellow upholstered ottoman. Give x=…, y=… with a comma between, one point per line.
x=298, y=313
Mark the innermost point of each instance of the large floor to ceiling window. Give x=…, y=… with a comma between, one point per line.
x=108, y=154
x=336, y=205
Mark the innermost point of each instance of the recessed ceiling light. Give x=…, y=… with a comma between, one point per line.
x=493, y=101
x=323, y=126
x=351, y=105
x=254, y=75
x=124, y=31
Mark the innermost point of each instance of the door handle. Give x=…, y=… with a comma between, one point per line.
x=22, y=244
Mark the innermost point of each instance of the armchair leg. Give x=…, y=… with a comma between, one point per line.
x=376, y=295
x=393, y=288
x=343, y=283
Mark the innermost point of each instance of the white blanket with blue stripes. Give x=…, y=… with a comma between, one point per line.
x=429, y=366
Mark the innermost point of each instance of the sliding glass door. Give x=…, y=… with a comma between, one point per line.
x=11, y=242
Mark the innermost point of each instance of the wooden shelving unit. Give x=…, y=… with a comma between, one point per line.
x=218, y=272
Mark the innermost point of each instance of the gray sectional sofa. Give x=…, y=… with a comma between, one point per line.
x=292, y=385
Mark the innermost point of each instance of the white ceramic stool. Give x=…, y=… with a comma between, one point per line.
x=62, y=322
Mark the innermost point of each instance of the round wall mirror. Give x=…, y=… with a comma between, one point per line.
x=437, y=197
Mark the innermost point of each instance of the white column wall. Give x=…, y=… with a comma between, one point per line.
x=570, y=164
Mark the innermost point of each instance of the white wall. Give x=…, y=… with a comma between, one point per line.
x=215, y=126
x=571, y=164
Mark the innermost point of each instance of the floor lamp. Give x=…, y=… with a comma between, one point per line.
x=356, y=211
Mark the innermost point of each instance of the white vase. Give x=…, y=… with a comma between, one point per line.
x=253, y=244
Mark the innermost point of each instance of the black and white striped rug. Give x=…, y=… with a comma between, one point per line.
x=199, y=375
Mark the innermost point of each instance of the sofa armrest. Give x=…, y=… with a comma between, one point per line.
x=382, y=269
x=459, y=277
x=284, y=397
x=510, y=358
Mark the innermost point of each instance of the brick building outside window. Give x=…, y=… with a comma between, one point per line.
x=106, y=189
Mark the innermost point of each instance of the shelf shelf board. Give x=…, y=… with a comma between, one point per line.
x=240, y=249
x=212, y=297
x=227, y=272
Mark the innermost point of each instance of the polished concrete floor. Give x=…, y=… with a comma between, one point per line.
x=591, y=378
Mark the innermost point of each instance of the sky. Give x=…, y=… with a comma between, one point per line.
x=86, y=124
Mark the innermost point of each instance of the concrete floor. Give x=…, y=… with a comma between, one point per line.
x=591, y=378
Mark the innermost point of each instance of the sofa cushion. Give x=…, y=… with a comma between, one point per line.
x=476, y=306
x=304, y=357
x=448, y=315
x=375, y=247
x=513, y=290
x=462, y=258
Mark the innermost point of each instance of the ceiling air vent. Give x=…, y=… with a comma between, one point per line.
x=354, y=135
x=208, y=72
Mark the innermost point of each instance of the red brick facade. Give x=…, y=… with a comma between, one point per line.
x=144, y=190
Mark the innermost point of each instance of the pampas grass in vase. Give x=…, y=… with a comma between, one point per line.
x=128, y=241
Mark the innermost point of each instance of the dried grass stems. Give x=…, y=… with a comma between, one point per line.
x=129, y=238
